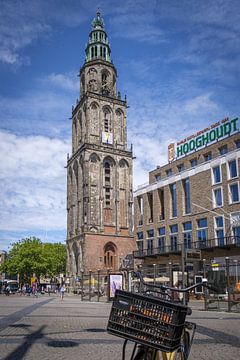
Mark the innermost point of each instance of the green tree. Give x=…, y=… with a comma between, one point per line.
x=30, y=256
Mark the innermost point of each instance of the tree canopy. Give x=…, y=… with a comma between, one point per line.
x=31, y=256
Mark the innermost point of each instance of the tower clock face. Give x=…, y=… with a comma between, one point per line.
x=107, y=137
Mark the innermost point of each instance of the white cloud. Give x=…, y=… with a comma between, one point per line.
x=199, y=104
x=65, y=81
x=33, y=182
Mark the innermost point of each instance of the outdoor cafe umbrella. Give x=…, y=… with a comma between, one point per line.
x=93, y=282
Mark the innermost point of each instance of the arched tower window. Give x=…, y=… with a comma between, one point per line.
x=107, y=119
x=107, y=181
x=110, y=255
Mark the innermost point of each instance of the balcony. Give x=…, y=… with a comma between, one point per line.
x=206, y=244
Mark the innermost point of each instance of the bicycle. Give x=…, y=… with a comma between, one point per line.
x=154, y=322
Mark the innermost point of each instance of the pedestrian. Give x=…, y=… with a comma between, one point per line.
x=62, y=291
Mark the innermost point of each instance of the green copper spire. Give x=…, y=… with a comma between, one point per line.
x=98, y=46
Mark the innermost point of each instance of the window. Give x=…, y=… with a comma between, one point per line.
x=150, y=247
x=187, y=234
x=140, y=206
x=217, y=197
x=180, y=167
x=234, y=193
x=140, y=242
x=150, y=206
x=174, y=237
x=235, y=221
x=219, y=230
x=202, y=233
x=237, y=142
x=193, y=162
x=161, y=200
x=173, y=191
x=158, y=177
x=140, y=247
x=216, y=174
x=169, y=172
x=207, y=156
x=161, y=239
x=150, y=235
x=186, y=188
x=223, y=150
x=232, y=167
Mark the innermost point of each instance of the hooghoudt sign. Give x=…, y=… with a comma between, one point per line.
x=219, y=130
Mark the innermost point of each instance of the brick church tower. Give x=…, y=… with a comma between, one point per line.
x=99, y=171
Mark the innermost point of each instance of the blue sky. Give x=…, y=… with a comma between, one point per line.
x=178, y=64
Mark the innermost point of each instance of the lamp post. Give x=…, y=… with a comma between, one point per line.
x=90, y=284
x=82, y=273
x=154, y=273
x=204, y=288
x=98, y=280
x=228, y=282
x=236, y=268
x=170, y=274
x=183, y=269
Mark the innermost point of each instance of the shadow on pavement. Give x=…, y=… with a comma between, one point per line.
x=22, y=349
x=218, y=336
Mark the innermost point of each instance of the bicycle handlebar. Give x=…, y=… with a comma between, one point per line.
x=164, y=288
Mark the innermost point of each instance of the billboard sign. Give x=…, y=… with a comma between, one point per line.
x=205, y=137
x=115, y=282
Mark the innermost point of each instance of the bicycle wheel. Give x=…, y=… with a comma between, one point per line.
x=183, y=352
x=145, y=353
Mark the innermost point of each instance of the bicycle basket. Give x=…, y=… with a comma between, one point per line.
x=146, y=320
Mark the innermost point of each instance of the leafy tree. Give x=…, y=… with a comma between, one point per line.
x=30, y=255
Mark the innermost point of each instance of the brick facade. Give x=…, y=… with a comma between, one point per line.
x=154, y=217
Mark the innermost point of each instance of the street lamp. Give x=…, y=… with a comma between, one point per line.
x=236, y=268
x=227, y=260
x=154, y=273
x=204, y=288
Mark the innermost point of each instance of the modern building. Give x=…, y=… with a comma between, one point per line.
x=193, y=200
x=99, y=171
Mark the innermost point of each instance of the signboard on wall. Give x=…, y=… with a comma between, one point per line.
x=205, y=137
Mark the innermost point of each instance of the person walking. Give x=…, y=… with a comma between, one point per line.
x=62, y=291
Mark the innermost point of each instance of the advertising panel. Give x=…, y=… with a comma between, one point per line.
x=115, y=282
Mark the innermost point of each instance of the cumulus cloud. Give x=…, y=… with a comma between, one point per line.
x=33, y=182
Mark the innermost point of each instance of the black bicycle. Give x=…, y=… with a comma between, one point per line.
x=153, y=321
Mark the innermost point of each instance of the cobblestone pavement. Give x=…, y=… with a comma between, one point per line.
x=48, y=328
